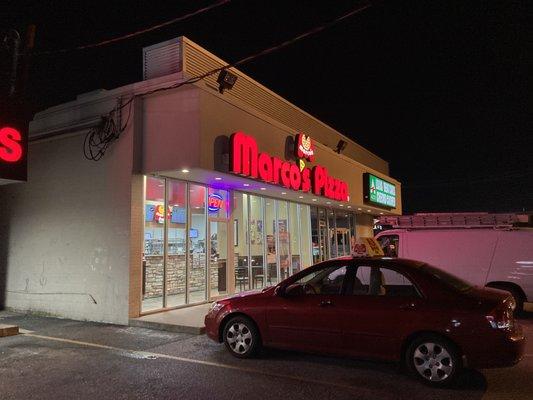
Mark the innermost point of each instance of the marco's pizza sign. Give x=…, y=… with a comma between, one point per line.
x=246, y=160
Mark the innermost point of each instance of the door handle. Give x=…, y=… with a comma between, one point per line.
x=325, y=303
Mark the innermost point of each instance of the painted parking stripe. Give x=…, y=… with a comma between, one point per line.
x=147, y=354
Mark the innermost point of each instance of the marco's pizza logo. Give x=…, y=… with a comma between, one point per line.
x=304, y=147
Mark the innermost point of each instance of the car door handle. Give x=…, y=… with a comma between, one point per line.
x=325, y=303
x=409, y=306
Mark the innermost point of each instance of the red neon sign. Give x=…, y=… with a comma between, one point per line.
x=10, y=145
x=246, y=160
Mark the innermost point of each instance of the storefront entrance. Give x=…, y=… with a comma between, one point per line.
x=186, y=225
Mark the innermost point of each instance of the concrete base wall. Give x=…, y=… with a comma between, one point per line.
x=65, y=233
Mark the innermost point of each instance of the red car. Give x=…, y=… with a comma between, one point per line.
x=380, y=308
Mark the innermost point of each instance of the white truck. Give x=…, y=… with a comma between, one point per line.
x=494, y=250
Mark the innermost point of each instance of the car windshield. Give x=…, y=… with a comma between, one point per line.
x=447, y=278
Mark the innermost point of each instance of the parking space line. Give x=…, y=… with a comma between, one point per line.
x=147, y=354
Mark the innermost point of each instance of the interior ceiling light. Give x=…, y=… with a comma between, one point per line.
x=185, y=170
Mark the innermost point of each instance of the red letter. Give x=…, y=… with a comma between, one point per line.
x=306, y=180
x=276, y=162
x=319, y=180
x=285, y=174
x=243, y=154
x=265, y=167
x=10, y=148
x=296, y=178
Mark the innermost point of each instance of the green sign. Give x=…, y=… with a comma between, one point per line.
x=379, y=191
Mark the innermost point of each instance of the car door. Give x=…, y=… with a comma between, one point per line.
x=309, y=319
x=380, y=307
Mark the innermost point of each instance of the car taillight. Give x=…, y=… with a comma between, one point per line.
x=502, y=317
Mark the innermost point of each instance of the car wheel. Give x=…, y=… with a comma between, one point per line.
x=434, y=360
x=241, y=337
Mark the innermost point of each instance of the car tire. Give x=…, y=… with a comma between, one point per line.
x=242, y=337
x=434, y=360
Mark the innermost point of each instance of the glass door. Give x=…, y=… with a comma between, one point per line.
x=197, y=246
x=218, y=259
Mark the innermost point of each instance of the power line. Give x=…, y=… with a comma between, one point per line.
x=136, y=33
x=98, y=139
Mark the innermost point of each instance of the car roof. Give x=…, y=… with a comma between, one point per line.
x=403, y=261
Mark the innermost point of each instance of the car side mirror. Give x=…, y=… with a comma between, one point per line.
x=295, y=289
x=279, y=291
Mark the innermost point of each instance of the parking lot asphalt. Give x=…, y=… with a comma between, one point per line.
x=64, y=359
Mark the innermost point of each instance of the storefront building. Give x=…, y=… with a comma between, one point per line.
x=204, y=194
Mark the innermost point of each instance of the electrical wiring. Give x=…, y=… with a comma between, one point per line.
x=98, y=139
x=136, y=33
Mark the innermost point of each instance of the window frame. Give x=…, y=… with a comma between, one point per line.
x=350, y=273
x=393, y=267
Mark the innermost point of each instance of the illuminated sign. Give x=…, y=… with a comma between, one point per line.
x=13, y=145
x=215, y=202
x=378, y=191
x=246, y=160
x=304, y=147
x=10, y=145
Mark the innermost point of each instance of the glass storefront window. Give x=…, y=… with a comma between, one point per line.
x=176, y=263
x=218, y=203
x=241, y=241
x=153, y=265
x=295, y=233
x=256, y=228
x=218, y=231
x=197, y=282
x=342, y=232
x=282, y=231
x=332, y=237
x=271, y=254
x=305, y=235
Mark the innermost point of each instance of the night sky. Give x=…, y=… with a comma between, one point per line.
x=442, y=90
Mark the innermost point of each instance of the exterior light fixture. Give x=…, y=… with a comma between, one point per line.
x=341, y=205
x=359, y=209
x=246, y=184
x=263, y=188
x=283, y=192
x=226, y=80
x=314, y=199
x=369, y=210
x=328, y=202
x=341, y=145
x=349, y=206
x=218, y=178
x=300, y=197
x=185, y=170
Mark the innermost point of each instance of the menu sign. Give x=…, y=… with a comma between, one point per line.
x=378, y=191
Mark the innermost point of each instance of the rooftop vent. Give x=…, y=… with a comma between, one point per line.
x=162, y=59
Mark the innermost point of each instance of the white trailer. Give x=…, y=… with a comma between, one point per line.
x=494, y=250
